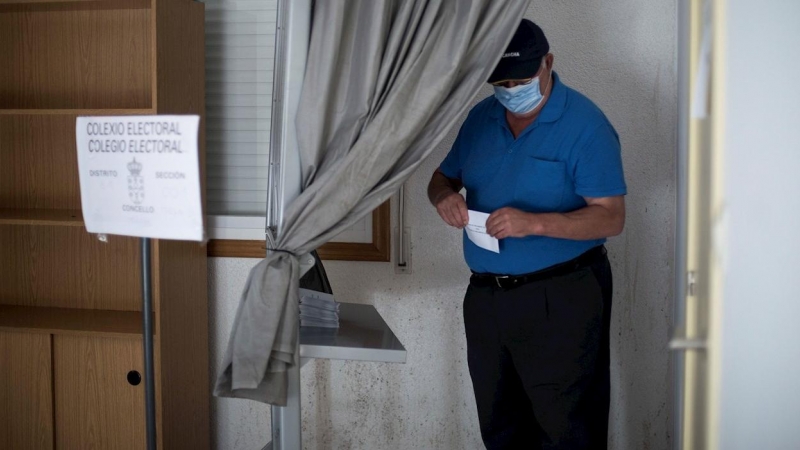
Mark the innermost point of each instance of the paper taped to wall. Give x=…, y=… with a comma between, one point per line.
x=140, y=176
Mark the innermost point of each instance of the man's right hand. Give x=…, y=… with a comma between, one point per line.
x=443, y=194
x=453, y=210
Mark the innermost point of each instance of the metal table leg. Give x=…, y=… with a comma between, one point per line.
x=286, y=426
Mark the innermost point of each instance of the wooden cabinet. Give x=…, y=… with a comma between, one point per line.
x=26, y=401
x=70, y=305
x=96, y=405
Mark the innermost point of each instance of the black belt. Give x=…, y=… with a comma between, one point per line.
x=511, y=281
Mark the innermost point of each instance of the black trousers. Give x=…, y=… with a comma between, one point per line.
x=538, y=356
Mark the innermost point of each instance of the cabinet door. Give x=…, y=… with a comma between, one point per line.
x=96, y=406
x=26, y=391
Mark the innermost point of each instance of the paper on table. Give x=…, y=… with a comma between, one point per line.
x=312, y=302
x=318, y=309
x=317, y=296
x=476, y=231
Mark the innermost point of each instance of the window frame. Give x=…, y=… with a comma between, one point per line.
x=238, y=232
x=377, y=250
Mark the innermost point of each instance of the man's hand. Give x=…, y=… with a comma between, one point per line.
x=510, y=222
x=443, y=194
x=453, y=210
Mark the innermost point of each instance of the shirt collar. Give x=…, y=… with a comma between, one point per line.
x=556, y=103
x=552, y=110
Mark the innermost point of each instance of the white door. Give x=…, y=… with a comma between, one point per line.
x=737, y=334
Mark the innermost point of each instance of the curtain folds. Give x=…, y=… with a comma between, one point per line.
x=385, y=81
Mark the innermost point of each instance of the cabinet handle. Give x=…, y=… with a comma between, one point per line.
x=134, y=378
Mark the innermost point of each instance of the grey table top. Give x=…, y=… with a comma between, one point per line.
x=362, y=335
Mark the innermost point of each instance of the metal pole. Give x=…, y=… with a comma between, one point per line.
x=401, y=226
x=147, y=320
x=287, y=426
x=681, y=216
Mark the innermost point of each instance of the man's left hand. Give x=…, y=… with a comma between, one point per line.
x=510, y=222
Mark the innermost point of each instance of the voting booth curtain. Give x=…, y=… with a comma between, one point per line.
x=384, y=83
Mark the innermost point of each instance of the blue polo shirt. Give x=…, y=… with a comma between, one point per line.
x=569, y=152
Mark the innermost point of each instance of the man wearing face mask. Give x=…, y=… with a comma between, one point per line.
x=544, y=162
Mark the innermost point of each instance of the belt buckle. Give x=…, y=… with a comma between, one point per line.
x=497, y=280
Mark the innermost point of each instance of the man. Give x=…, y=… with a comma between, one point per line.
x=545, y=162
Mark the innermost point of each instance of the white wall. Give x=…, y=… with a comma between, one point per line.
x=621, y=53
x=760, y=389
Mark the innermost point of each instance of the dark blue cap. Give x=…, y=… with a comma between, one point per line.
x=523, y=55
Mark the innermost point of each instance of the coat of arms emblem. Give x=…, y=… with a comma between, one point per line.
x=135, y=182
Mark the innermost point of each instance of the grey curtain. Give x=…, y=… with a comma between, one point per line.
x=385, y=81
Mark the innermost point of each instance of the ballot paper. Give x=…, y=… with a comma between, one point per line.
x=476, y=231
x=318, y=309
x=307, y=295
x=321, y=314
x=305, y=322
x=319, y=304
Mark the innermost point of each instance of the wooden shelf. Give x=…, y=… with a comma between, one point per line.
x=67, y=299
x=62, y=5
x=46, y=217
x=80, y=322
x=76, y=112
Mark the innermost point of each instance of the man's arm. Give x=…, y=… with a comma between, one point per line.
x=600, y=218
x=443, y=194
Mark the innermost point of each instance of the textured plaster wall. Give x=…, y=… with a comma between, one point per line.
x=621, y=53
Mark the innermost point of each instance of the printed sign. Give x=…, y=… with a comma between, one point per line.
x=140, y=176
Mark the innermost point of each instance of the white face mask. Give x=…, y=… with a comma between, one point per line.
x=520, y=99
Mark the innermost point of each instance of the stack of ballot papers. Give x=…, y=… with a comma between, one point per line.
x=318, y=309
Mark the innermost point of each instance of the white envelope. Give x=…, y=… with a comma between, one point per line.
x=476, y=231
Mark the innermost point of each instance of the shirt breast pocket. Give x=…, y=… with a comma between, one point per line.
x=541, y=184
